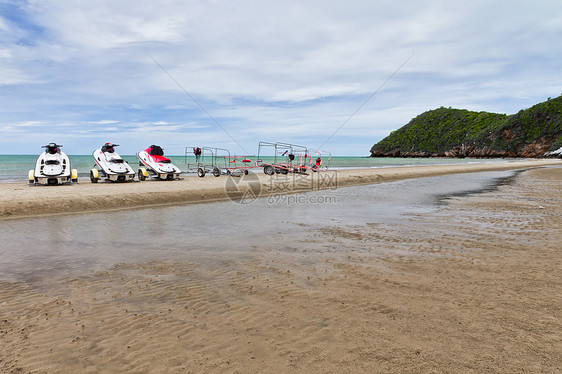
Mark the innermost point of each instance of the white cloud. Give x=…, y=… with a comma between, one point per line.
x=103, y=122
x=269, y=70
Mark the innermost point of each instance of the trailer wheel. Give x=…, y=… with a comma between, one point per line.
x=142, y=174
x=284, y=171
x=245, y=171
x=94, y=176
x=268, y=169
x=201, y=172
x=216, y=172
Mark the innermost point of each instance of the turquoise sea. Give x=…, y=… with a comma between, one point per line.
x=14, y=168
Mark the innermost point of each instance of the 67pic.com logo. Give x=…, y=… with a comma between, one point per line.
x=282, y=189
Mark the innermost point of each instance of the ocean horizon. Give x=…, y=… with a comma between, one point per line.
x=14, y=168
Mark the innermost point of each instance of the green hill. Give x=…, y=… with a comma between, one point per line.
x=447, y=132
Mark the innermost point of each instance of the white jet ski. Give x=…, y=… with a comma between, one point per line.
x=110, y=166
x=52, y=167
x=153, y=164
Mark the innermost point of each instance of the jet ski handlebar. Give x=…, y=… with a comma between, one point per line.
x=52, y=145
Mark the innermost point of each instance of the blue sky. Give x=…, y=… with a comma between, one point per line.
x=139, y=72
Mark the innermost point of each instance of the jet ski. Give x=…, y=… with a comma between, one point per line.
x=52, y=167
x=110, y=166
x=153, y=164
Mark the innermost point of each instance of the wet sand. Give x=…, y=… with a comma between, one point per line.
x=20, y=200
x=473, y=287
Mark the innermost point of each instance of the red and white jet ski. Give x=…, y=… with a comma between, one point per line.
x=153, y=164
x=110, y=166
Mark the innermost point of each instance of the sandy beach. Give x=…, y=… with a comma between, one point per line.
x=20, y=200
x=473, y=287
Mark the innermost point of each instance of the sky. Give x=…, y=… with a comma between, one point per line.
x=334, y=75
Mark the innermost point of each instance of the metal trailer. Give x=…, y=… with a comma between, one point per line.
x=217, y=161
x=207, y=161
x=238, y=165
x=287, y=158
x=319, y=160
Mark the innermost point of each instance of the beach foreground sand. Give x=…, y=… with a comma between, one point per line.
x=473, y=287
x=19, y=200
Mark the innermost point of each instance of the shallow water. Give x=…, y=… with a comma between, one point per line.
x=44, y=248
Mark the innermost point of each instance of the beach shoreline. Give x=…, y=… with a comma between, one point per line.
x=18, y=200
x=470, y=287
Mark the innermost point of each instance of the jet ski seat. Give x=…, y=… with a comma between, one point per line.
x=156, y=151
x=157, y=154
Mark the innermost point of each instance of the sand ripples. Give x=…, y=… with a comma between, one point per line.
x=472, y=287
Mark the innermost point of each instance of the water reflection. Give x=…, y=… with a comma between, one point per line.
x=39, y=248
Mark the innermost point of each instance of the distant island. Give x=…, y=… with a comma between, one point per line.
x=447, y=132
